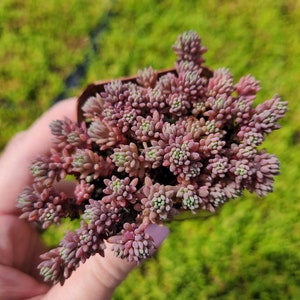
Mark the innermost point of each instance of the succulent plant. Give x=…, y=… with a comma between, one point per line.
x=146, y=150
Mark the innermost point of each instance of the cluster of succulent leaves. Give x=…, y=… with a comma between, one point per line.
x=146, y=151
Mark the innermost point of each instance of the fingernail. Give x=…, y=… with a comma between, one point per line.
x=158, y=233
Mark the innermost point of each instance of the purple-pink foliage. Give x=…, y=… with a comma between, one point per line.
x=147, y=151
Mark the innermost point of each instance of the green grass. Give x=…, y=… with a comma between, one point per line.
x=40, y=44
x=250, y=250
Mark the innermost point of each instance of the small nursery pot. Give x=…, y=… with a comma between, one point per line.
x=98, y=87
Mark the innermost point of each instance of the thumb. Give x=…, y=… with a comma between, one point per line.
x=16, y=158
x=98, y=277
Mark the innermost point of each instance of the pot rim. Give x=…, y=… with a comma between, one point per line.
x=98, y=86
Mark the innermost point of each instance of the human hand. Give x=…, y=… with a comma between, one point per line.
x=20, y=243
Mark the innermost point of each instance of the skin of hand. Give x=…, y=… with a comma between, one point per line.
x=20, y=243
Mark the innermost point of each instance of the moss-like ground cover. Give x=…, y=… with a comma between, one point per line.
x=250, y=250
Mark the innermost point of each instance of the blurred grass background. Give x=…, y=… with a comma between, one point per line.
x=52, y=49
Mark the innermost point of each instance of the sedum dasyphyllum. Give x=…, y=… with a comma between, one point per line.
x=148, y=150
